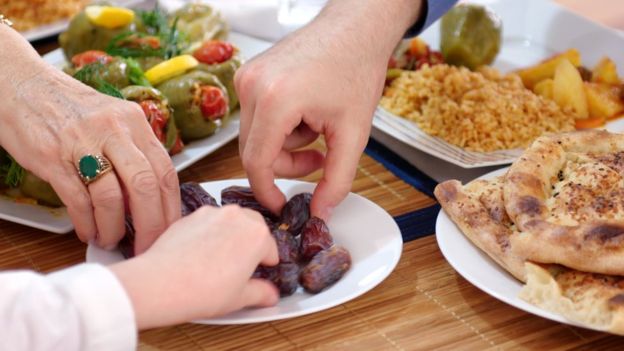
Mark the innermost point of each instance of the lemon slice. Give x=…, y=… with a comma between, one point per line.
x=170, y=68
x=108, y=16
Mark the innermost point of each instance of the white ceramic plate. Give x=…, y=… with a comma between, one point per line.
x=57, y=220
x=532, y=31
x=369, y=233
x=48, y=30
x=480, y=270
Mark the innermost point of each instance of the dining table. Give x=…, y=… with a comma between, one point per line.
x=424, y=304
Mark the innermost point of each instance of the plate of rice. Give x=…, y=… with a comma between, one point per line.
x=487, y=117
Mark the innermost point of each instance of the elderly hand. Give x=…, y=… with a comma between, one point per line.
x=324, y=79
x=201, y=267
x=50, y=121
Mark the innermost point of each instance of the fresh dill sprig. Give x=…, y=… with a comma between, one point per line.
x=136, y=75
x=156, y=25
x=91, y=75
x=11, y=173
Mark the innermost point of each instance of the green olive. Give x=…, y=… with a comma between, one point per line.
x=470, y=36
x=180, y=91
x=225, y=72
x=36, y=188
x=82, y=35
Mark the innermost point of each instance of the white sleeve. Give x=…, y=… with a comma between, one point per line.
x=80, y=308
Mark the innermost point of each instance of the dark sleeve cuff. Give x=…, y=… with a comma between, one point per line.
x=432, y=10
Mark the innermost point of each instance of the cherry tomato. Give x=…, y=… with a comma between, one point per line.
x=90, y=56
x=214, y=51
x=213, y=103
x=155, y=117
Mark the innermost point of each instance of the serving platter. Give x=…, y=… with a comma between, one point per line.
x=369, y=233
x=58, y=221
x=533, y=30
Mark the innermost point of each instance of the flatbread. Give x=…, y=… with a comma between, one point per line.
x=478, y=210
x=565, y=194
x=591, y=299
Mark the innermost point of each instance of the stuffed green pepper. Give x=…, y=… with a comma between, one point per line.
x=200, y=22
x=221, y=59
x=89, y=31
x=199, y=101
x=159, y=115
x=94, y=67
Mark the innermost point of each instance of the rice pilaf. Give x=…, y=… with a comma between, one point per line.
x=479, y=111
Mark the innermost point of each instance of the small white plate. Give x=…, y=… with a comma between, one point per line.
x=532, y=31
x=480, y=270
x=369, y=233
x=57, y=220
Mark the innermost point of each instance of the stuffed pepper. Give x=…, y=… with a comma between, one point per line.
x=200, y=22
x=23, y=185
x=221, y=59
x=95, y=27
x=158, y=114
x=94, y=67
x=199, y=101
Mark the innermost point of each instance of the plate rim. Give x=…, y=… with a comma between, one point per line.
x=393, y=245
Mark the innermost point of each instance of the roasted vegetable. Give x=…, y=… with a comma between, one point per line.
x=200, y=22
x=82, y=35
x=158, y=114
x=546, y=69
x=568, y=90
x=199, y=101
x=470, y=36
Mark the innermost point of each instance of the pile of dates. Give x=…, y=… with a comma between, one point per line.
x=307, y=253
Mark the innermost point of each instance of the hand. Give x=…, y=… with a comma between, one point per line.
x=201, y=267
x=56, y=120
x=309, y=84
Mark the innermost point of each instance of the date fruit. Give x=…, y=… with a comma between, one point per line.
x=315, y=237
x=326, y=268
x=285, y=276
x=193, y=196
x=295, y=213
x=287, y=246
x=244, y=197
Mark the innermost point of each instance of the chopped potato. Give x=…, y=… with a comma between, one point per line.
x=603, y=100
x=605, y=72
x=546, y=69
x=544, y=88
x=568, y=89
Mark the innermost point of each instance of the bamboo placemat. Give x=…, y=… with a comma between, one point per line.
x=424, y=304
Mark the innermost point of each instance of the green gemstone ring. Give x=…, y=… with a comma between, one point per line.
x=92, y=167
